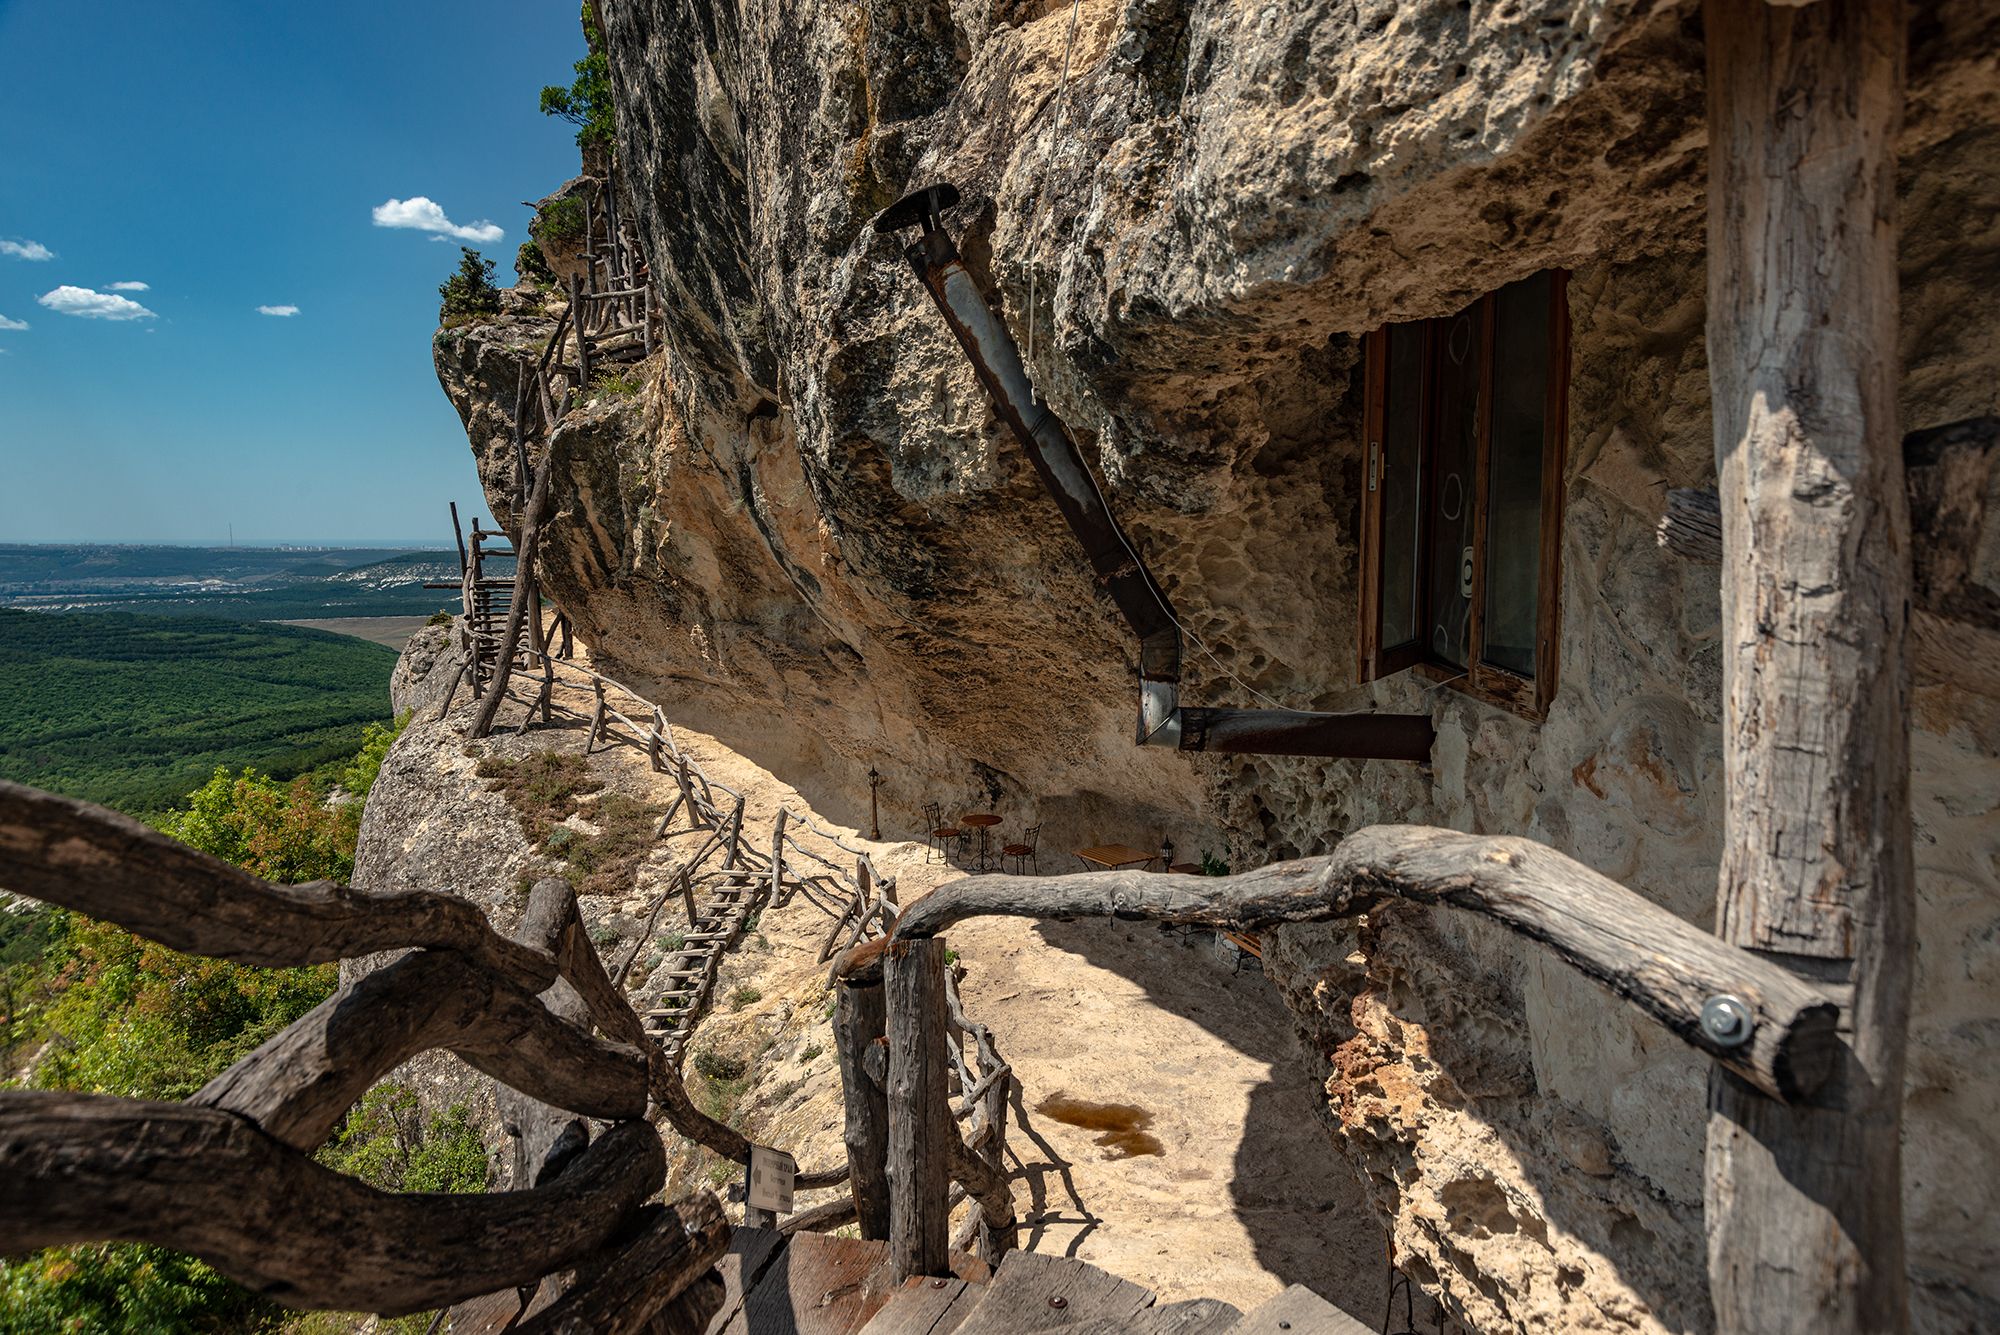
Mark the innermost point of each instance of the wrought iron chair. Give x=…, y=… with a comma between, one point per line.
x=938, y=836
x=1025, y=851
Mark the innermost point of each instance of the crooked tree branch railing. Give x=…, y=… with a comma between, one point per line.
x=1784, y=1042
x=1752, y=1016
x=869, y=909
x=229, y=1175
x=698, y=799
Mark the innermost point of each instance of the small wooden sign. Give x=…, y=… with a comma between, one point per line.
x=771, y=1174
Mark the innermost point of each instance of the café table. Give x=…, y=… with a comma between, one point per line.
x=1110, y=857
x=982, y=821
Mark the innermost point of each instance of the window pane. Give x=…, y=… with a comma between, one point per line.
x=1514, y=516
x=1402, y=483
x=1455, y=431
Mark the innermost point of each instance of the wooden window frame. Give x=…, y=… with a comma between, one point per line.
x=1528, y=697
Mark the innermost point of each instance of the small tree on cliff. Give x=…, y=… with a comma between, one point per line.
x=470, y=291
x=586, y=103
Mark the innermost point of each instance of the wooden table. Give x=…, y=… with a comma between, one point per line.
x=1113, y=856
x=981, y=821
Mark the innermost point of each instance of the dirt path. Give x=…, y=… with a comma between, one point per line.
x=1245, y=1193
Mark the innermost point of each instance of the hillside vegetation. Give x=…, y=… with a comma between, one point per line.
x=88, y=1006
x=136, y=711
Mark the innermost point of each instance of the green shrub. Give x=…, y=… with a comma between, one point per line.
x=528, y=262
x=441, y=617
x=387, y=1142
x=586, y=103
x=124, y=1287
x=469, y=292
x=719, y=1065
x=810, y=1051
x=745, y=996
x=1212, y=865
x=622, y=384
x=558, y=220
x=282, y=832
x=357, y=780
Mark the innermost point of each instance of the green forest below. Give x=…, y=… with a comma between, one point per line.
x=136, y=711
x=90, y=1007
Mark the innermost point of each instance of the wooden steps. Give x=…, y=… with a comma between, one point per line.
x=813, y=1284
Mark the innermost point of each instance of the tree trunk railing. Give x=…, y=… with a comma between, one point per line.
x=229, y=1175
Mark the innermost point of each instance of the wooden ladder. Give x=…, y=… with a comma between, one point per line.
x=730, y=898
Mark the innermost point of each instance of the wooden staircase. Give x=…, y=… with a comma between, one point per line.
x=811, y=1284
x=730, y=898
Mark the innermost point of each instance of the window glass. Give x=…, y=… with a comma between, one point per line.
x=1514, y=474
x=1456, y=357
x=1402, y=483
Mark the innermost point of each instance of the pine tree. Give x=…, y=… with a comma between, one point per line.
x=470, y=291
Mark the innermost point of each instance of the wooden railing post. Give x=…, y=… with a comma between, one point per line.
x=582, y=339
x=859, y=1037
x=1804, y=1202
x=921, y=1131
x=596, y=718
x=778, y=856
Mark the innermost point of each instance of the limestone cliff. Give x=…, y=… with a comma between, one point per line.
x=808, y=532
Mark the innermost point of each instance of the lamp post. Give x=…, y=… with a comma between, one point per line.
x=1166, y=853
x=874, y=815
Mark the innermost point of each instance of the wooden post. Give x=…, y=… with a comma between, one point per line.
x=687, y=790
x=687, y=898
x=778, y=856
x=524, y=574
x=458, y=534
x=1803, y=1203
x=858, y=1026
x=921, y=1131
x=582, y=340
x=596, y=718
x=735, y=836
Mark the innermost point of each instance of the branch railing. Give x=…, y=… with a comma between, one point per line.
x=899, y=1024
x=975, y=1079
x=229, y=1175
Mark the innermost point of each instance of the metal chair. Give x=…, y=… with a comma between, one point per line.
x=938, y=836
x=1025, y=851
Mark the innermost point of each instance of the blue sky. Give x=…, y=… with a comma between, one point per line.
x=231, y=156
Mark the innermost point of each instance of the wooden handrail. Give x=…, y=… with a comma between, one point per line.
x=100, y=862
x=228, y=1174
x=1667, y=967
x=88, y=1168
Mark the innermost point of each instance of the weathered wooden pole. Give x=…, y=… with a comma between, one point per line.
x=524, y=578
x=859, y=1029
x=577, y=313
x=1804, y=1205
x=921, y=1131
x=778, y=856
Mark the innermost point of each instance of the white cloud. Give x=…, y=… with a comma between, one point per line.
x=6, y=323
x=277, y=310
x=26, y=250
x=90, y=305
x=131, y=287
x=423, y=215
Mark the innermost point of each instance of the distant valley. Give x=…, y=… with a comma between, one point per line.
x=243, y=583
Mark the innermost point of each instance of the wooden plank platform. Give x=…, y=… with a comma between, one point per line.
x=1033, y=1292
x=816, y=1285
x=926, y=1307
x=1298, y=1311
